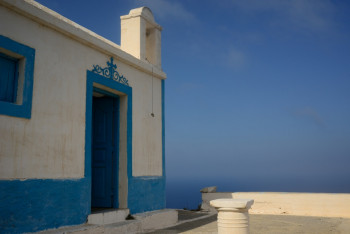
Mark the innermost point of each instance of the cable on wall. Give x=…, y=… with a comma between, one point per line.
x=152, y=114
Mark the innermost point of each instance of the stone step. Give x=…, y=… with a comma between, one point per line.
x=157, y=219
x=128, y=226
x=108, y=217
x=99, y=223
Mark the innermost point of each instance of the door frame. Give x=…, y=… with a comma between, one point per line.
x=115, y=137
x=124, y=92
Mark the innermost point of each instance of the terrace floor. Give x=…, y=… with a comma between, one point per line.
x=261, y=223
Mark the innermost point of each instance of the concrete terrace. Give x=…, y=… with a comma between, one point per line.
x=260, y=224
x=205, y=222
x=272, y=212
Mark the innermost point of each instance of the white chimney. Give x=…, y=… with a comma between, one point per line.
x=141, y=35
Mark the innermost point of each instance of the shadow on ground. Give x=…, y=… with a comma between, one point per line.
x=187, y=215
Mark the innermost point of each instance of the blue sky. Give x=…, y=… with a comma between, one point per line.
x=257, y=91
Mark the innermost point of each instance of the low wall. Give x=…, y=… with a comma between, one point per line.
x=302, y=204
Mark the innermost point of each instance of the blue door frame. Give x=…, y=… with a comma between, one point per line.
x=92, y=80
x=144, y=193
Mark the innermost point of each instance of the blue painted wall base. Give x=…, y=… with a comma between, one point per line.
x=34, y=205
x=146, y=194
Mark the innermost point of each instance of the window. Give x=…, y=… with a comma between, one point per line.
x=16, y=78
x=8, y=78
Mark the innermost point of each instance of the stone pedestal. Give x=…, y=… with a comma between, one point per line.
x=232, y=215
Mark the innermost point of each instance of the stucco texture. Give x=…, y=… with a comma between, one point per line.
x=51, y=143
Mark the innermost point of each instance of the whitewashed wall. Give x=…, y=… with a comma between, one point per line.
x=51, y=143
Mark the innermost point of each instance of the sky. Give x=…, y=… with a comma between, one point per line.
x=257, y=94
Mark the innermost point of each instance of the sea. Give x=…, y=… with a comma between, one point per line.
x=185, y=193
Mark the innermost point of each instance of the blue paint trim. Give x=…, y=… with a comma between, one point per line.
x=146, y=194
x=99, y=79
x=34, y=205
x=110, y=72
x=163, y=127
x=12, y=109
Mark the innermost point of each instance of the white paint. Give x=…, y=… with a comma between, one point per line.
x=233, y=217
x=147, y=143
x=141, y=35
x=207, y=197
x=123, y=177
x=57, y=22
x=302, y=204
x=51, y=143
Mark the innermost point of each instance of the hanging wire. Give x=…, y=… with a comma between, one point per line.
x=152, y=114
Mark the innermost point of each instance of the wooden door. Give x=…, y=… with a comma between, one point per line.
x=102, y=152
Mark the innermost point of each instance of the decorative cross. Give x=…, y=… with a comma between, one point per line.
x=110, y=72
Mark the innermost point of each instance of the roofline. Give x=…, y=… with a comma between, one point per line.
x=43, y=15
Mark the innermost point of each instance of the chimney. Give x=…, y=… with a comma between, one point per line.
x=141, y=35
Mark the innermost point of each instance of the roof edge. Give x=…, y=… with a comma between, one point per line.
x=41, y=14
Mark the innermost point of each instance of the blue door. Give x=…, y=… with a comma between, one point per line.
x=103, y=152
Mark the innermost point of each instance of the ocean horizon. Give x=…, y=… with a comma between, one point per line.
x=185, y=193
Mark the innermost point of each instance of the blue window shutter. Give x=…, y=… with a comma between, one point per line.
x=8, y=79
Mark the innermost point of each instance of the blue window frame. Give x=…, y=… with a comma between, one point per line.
x=16, y=78
x=8, y=78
